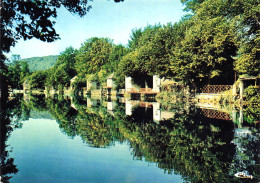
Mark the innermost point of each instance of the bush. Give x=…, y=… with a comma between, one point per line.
x=252, y=108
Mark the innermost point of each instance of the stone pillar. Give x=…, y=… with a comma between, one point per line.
x=128, y=83
x=234, y=90
x=128, y=107
x=241, y=88
x=156, y=83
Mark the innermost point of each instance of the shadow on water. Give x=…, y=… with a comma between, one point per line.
x=180, y=140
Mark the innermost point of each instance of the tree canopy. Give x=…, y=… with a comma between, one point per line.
x=17, y=73
x=93, y=55
x=205, y=53
x=224, y=38
x=150, y=51
x=63, y=70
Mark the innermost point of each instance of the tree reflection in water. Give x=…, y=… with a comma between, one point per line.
x=10, y=114
x=198, y=148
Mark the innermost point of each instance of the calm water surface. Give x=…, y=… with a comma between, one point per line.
x=65, y=139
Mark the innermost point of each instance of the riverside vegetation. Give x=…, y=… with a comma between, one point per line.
x=215, y=41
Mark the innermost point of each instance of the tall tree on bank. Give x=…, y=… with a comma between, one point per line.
x=205, y=54
x=37, y=80
x=63, y=70
x=17, y=72
x=151, y=50
x=245, y=15
x=223, y=39
x=93, y=56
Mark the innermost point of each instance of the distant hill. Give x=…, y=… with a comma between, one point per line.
x=41, y=63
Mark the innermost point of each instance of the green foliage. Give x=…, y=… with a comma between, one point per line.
x=63, y=70
x=93, y=55
x=205, y=53
x=207, y=47
x=150, y=51
x=41, y=63
x=134, y=38
x=37, y=80
x=191, y=5
x=33, y=19
x=251, y=93
x=99, y=57
x=248, y=61
x=17, y=72
x=245, y=15
x=252, y=109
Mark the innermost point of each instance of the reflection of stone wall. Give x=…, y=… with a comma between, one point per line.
x=159, y=115
x=111, y=106
x=156, y=112
x=128, y=107
x=167, y=115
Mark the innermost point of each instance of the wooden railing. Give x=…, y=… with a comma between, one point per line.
x=216, y=88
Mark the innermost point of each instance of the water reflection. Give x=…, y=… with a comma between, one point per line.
x=10, y=114
x=201, y=145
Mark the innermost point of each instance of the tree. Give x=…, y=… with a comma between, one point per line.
x=67, y=58
x=248, y=61
x=245, y=15
x=63, y=70
x=65, y=66
x=58, y=76
x=134, y=38
x=205, y=54
x=192, y=5
x=37, y=79
x=15, y=57
x=17, y=72
x=151, y=50
x=93, y=56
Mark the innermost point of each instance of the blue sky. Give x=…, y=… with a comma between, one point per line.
x=105, y=19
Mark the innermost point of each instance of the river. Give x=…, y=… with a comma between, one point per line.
x=74, y=139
